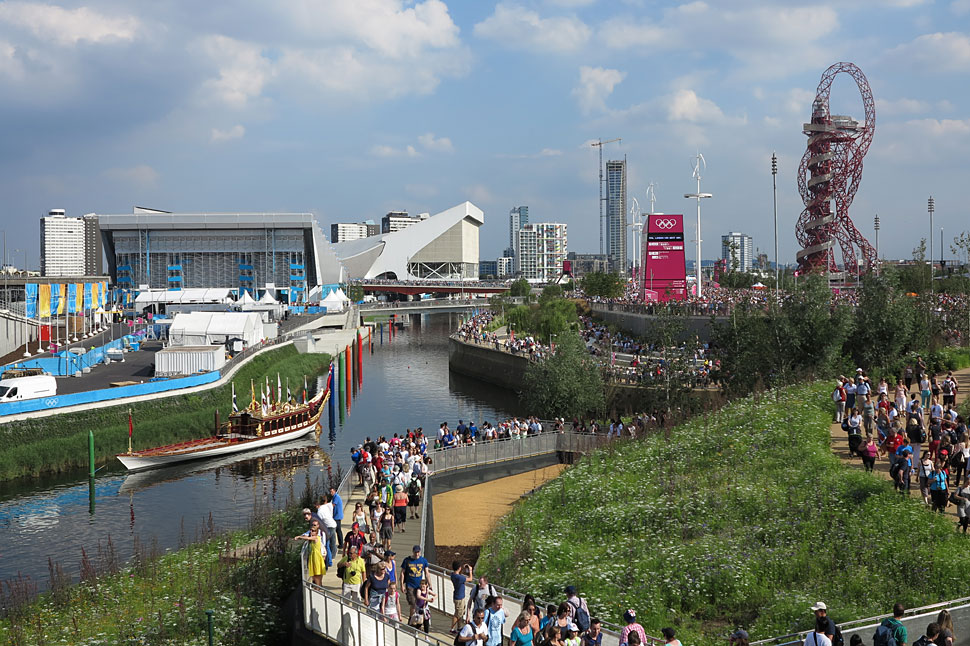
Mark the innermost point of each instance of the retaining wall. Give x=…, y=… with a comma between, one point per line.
x=487, y=364
x=643, y=324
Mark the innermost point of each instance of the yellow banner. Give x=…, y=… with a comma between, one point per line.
x=44, y=301
x=62, y=300
x=94, y=295
x=79, y=298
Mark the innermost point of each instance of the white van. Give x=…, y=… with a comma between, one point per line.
x=18, y=388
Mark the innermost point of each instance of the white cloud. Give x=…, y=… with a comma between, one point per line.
x=960, y=7
x=685, y=105
x=623, y=33
x=243, y=71
x=520, y=28
x=439, y=144
x=236, y=132
x=421, y=190
x=571, y=3
x=939, y=52
x=944, y=128
x=383, y=150
x=595, y=85
x=142, y=176
x=799, y=102
x=890, y=107
x=478, y=193
x=68, y=26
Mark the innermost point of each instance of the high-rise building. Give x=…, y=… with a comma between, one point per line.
x=505, y=266
x=587, y=263
x=93, y=251
x=518, y=218
x=62, y=245
x=344, y=231
x=397, y=220
x=736, y=251
x=487, y=269
x=615, y=230
x=542, y=250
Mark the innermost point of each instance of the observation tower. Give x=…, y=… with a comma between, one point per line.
x=828, y=178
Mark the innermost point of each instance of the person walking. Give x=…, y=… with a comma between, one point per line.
x=891, y=627
x=630, y=617
x=962, y=498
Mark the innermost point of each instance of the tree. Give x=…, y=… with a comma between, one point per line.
x=521, y=287
x=567, y=384
x=355, y=293
x=603, y=285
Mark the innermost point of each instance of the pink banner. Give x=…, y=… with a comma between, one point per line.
x=664, y=275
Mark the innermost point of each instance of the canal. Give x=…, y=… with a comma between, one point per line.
x=406, y=384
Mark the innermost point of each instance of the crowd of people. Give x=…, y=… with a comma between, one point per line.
x=889, y=418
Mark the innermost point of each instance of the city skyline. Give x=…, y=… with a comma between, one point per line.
x=180, y=107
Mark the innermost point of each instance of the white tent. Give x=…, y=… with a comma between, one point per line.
x=215, y=328
x=194, y=295
x=267, y=299
x=246, y=299
x=340, y=294
x=333, y=303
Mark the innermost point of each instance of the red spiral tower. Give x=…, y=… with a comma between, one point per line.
x=830, y=172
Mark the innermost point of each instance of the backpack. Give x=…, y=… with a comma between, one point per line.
x=581, y=615
x=461, y=643
x=885, y=634
x=956, y=459
x=837, y=638
x=413, y=488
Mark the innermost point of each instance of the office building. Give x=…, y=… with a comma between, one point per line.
x=615, y=225
x=397, y=220
x=62, y=245
x=439, y=247
x=93, y=251
x=286, y=253
x=542, y=250
x=587, y=263
x=736, y=251
x=488, y=269
x=345, y=231
x=505, y=266
x=518, y=218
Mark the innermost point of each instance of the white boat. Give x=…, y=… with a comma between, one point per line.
x=247, y=429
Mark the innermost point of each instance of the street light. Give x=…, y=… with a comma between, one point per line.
x=875, y=226
x=774, y=200
x=698, y=162
x=931, y=207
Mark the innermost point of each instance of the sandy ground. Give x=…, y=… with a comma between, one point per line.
x=460, y=521
x=840, y=443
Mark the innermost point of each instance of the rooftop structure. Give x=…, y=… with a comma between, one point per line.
x=439, y=247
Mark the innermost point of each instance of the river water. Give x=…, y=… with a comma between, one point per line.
x=406, y=384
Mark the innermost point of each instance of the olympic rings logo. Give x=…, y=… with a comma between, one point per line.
x=665, y=224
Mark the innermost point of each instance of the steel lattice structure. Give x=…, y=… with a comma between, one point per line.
x=830, y=171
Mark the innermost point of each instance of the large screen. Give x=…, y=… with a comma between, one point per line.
x=664, y=274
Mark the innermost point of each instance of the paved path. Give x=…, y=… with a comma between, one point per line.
x=401, y=545
x=840, y=444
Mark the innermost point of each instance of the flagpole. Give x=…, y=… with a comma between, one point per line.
x=129, y=431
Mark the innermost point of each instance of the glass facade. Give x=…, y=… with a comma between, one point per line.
x=616, y=251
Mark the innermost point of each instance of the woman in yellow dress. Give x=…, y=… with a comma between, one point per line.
x=316, y=566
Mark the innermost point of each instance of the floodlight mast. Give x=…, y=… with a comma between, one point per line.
x=697, y=163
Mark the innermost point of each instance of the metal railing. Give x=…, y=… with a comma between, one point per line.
x=513, y=448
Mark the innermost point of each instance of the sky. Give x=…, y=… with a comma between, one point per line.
x=349, y=109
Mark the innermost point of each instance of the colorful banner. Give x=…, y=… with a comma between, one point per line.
x=95, y=298
x=664, y=263
x=61, y=297
x=79, y=298
x=30, y=289
x=87, y=296
x=44, y=310
x=104, y=293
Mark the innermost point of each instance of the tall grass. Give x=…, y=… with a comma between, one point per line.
x=60, y=443
x=739, y=518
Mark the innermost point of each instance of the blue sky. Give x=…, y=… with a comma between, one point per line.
x=349, y=109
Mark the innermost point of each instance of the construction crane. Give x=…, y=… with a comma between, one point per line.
x=599, y=143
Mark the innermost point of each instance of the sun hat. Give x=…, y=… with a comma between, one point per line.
x=820, y=605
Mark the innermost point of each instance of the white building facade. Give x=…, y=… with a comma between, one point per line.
x=736, y=248
x=542, y=250
x=61, y=245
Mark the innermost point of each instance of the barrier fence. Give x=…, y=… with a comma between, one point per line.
x=346, y=621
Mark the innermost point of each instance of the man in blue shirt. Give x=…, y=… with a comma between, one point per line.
x=338, y=513
x=495, y=616
x=459, y=575
x=414, y=569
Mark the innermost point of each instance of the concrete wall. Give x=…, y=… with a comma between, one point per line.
x=643, y=324
x=12, y=334
x=487, y=364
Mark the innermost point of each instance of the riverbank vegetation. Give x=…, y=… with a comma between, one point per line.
x=163, y=598
x=739, y=518
x=59, y=442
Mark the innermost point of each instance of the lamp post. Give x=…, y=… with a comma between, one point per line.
x=774, y=200
x=931, y=207
x=698, y=162
x=875, y=225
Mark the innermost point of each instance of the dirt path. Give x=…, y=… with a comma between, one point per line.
x=840, y=444
x=466, y=516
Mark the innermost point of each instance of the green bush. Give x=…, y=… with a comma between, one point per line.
x=742, y=518
x=60, y=442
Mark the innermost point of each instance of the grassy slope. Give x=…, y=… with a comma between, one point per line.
x=59, y=443
x=743, y=518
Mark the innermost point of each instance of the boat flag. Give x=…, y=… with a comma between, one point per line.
x=269, y=391
x=279, y=389
x=235, y=406
x=289, y=397
x=263, y=398
x=304, y=388
x=252, y=395
x=130, y=428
